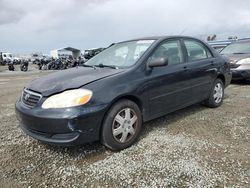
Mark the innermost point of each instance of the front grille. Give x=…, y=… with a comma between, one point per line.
x=30, y=98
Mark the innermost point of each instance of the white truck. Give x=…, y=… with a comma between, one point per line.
x=5, y=57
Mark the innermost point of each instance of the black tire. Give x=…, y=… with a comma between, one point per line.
x=211, y=101
x=25, y=68
x=107, y=137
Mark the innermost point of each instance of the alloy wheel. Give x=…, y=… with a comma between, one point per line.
x=218, y=93
x=125, y=125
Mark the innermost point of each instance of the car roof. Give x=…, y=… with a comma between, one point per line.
x=160, y=38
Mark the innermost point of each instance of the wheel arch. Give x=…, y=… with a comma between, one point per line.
x=130, y=97
x=222, y=77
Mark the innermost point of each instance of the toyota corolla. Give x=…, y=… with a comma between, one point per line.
x=115, y=92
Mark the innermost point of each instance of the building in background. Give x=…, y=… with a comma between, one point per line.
x=65, y=53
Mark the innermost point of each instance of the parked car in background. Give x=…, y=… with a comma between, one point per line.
x=239, y=55
x=113, y=93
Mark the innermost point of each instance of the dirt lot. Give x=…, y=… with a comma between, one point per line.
x=194, y=147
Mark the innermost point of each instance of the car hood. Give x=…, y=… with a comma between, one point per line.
x=233, y=58
x=70, y=79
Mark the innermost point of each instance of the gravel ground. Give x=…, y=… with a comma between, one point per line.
x=194, y=147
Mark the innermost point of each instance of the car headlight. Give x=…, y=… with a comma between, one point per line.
x=70, y=98
x=244, y=61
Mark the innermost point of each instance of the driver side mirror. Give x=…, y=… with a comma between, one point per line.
x=158, y=62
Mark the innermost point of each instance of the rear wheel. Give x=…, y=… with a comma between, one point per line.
x=216, y=95
x=122, y=125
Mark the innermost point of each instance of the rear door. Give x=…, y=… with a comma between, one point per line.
x=200, y=63
x=168, y=87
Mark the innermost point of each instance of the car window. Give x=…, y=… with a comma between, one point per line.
x=196, y=51
x=170, y=50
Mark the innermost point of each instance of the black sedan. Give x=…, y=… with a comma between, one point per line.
x=238, y=54
x=118, y=90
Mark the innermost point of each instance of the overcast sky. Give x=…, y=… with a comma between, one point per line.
x=39, y=26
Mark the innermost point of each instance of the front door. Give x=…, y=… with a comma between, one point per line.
x=168, y=87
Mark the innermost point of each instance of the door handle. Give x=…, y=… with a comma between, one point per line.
x=212, y=62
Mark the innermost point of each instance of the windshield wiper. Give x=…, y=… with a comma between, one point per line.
x=109, y=66
x=92, y=66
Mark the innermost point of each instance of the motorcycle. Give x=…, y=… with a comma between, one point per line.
x=55, y=64
x=11, y=66
x=42, y=64
x=51, y=65
x=66, y=63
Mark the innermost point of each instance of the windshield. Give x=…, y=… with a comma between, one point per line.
x=237, y=48
x=121, y=55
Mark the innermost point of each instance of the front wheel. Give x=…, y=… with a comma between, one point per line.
x=216, y=95
x=122, y=125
